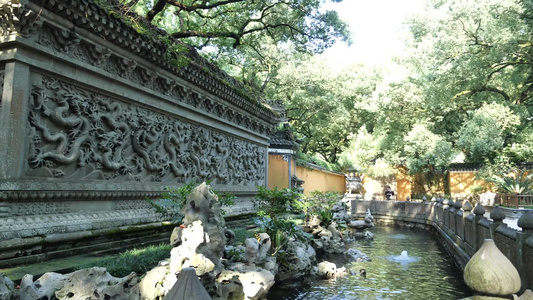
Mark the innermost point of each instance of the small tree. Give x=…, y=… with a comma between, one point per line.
x=272, y=207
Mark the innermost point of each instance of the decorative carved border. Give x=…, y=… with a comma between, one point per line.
x=44, y=224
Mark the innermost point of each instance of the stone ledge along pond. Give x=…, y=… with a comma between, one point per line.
x=424, y=271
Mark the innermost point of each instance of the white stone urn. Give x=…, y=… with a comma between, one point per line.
x=490, y=272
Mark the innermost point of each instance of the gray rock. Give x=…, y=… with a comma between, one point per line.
x=98, y=283
x=357, y=255
x=327, y=270
x=43, y=288
x=7, y=288
x=252, y=249
x=255, y=282
x=153, y=285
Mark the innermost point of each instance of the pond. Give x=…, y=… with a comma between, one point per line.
x=424, y=271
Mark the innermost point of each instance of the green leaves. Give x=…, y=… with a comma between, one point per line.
x=518, y=182
x=486, y=132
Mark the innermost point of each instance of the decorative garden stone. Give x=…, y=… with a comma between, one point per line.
x=357, y=255
x=255, y=281
x=229, y=288
x=297, y=261
x=7, y=288
x=202, y=237
x=489, y=272
x=265, y=243
x=153, y=285
x=252, y=249
x=527, y=295
x=98, y=283
x=339, y=212
x=43, y=288
x=327, y=269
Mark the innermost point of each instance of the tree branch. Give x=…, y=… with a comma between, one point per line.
x=160, y=5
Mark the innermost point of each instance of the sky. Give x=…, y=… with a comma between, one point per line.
x=376, y=27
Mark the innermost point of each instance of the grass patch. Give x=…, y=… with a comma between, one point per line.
x=139, y=261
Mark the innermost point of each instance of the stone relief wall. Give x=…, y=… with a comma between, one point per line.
x=75, y=133
x=102, y=122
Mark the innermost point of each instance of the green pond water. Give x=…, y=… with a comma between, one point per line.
x=427, y=272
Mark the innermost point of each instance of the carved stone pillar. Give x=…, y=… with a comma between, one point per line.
x=13, y=120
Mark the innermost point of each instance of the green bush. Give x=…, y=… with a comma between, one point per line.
x=275, y=202
x=273, y=207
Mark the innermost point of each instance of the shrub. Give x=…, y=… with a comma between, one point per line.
x=273, y=206
x=518, y=182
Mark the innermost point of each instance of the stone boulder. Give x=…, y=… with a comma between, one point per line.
x=359, y=225
x=298, y=261
x=339, y=212
x=202, y=206
x=356, y=255
x=257, y=249
x=329, y=270
x=43, y=288
x=97, y=283
x=248, y=282
x=7, y=288
x=154, y=284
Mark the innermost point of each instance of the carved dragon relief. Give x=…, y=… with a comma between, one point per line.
x=75, y=133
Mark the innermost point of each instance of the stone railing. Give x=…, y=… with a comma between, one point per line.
x=514, y=200
x=462, y=228
x=95, y=118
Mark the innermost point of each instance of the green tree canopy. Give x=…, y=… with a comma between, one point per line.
x=464, y=90
x=241, y=35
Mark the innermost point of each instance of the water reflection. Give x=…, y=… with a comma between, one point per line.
x=426, y=272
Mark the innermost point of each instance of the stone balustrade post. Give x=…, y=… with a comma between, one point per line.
x=467, y=211
x=479, y=211
x=445, y=208
x=432, y=212
x=497, y=215
x=526, y=271
x=451, y=218
x=459, y=223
